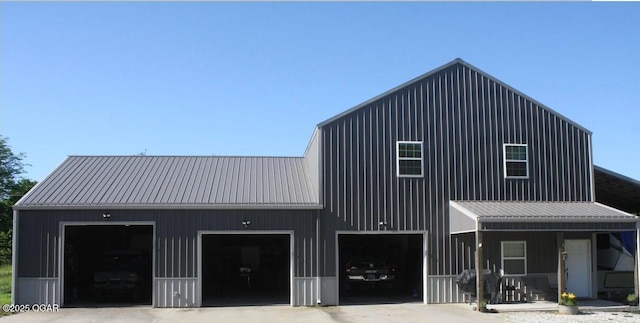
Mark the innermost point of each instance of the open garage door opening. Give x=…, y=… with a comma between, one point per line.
x=107, y=265
x=246, y=269
x=380, y=268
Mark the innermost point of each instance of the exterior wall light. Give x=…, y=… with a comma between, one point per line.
x=246, y=223
x=106, y=215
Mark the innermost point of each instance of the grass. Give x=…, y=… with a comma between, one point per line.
x=5, y=286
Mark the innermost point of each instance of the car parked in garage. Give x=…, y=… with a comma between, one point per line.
x=372, y=271
x=121, y=275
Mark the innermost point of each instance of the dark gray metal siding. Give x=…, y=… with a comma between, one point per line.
x=311, y=161
x=542, y=249
x=176, y=236
x=464, y=117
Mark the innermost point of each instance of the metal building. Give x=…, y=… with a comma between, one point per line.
x=420, y=178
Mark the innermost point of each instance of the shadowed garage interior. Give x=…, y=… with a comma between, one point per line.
x=245, y=269
x=380, y=268
x=107, y=265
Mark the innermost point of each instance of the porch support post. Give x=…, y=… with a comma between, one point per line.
x=561, y=276
x=479, y=278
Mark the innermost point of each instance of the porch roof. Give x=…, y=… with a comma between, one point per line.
x=469, y=216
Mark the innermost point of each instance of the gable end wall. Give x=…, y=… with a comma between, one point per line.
x=463, y=117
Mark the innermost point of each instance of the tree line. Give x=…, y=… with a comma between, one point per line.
x=12, y=187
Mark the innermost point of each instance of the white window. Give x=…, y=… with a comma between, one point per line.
x=514, y=258
x=516, y=161
x=409, y=159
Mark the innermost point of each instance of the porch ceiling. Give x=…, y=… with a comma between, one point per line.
x=469, y=216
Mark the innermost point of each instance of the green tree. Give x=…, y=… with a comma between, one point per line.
x=11, y=167
x=12, y=188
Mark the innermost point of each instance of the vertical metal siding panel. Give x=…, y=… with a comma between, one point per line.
x=372, y=184
x=474, y=107
x=464, y=118
x=394, y=203
x=437, y=140
x=534, y=151
x=578, y=166
x=423, y=184
x=498, y=136
x=525, y=115
x=433, y=215
x=558, y=167
x=353, y=141
x=361, y=169
x=582, y=166
x=486, y=191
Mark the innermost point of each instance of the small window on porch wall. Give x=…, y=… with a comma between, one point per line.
x=516, y=161
x=409, y=158
x=514, y=258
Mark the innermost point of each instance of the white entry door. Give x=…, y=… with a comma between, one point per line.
x=578, y=267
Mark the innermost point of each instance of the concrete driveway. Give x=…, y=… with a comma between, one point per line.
x=353, y=313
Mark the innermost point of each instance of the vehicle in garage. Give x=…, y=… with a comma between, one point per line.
x=107, y=264
x=380, y=268
x=121, y=275
x=370, y=271
x=246, y=269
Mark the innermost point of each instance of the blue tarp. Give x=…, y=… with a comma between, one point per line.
x=627, y=240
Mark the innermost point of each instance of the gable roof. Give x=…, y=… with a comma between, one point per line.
x=457, y=61
x=168, y=182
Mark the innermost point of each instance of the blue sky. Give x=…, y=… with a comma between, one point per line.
x=255, y=78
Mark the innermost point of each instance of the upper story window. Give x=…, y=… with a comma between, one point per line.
x=516, y=161
x=409, y=159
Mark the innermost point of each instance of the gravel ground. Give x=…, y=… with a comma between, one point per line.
x=583, y=316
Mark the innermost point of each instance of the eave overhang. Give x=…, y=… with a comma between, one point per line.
x=472, y=216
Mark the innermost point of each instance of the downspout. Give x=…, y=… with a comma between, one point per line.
x=319, y=187
x=14, y=257
x=318, y=280
x=592, y=172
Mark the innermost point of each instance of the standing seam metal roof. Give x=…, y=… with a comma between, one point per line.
x=175, y=182
x=527, y=211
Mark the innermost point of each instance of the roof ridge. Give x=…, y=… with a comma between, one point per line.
x=182, y=156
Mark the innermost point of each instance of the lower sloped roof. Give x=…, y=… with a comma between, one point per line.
x=467, y=216
x=617, y=190
x=161, y=182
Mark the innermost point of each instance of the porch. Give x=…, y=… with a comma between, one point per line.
x=541, y=249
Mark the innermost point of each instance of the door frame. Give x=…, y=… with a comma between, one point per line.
x=416, y=232
x=588, y=262
x=254, y=232
x=62, y=233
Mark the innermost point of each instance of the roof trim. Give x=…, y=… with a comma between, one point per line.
x=175, y=182
x=173, y=207
x=620, y=216
x=188, y=156
x=35, y=187
x=443, y=67
x=617, y=175
x=378, y=97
